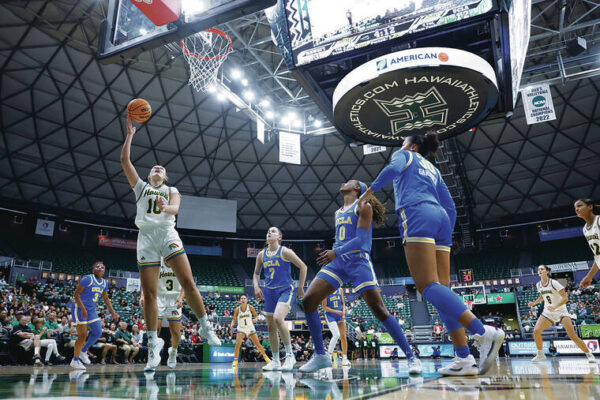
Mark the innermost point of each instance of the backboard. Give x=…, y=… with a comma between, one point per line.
x=127, y=32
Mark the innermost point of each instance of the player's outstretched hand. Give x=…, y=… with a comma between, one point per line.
x=300, y=294
x=585, y=282
x=325, y=257
x=531, y=304
x=161, y=204
x=365, y=197
x=130, y=128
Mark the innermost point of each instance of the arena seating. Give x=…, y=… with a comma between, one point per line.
x=559, y=251
x=489, y=264
x=362, y=311
x=121, y=259
x=214, y=271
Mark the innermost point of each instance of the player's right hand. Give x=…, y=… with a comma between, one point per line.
x=531, y=304
x=83, y=313
x=258, y=293
x=130, y=128
x=585, y=282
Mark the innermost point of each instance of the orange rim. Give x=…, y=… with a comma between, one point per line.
x=211, y=30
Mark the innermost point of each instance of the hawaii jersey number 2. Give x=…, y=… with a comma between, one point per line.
x=152, y=207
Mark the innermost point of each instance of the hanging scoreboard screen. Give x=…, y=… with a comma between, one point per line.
x=466, y=275
x=319, y=29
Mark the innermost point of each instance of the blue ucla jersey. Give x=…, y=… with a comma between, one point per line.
x=346, y=222
x=93, y=290
x=334, y=301
x=416, y=180
x=277, y=271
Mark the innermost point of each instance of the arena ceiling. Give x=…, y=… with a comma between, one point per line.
x=62, y=122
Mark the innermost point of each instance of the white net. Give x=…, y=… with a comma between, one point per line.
x=205, y=52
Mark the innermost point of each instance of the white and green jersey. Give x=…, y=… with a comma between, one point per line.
x=169, y=287
x=592, y=235
x=551, y=294
x=148, y=213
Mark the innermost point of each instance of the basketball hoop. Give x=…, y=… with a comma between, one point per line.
x=205, y=52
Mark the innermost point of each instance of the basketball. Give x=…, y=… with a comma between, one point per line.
x=139, y=110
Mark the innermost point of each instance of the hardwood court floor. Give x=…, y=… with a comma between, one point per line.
x=565, y=378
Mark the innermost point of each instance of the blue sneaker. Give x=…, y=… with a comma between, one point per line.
x=317, y=362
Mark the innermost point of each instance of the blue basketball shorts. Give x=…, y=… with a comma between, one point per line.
x=92, y=315
x=354, y=267
x=273, y=296
x=332, y=317
x=426, y=223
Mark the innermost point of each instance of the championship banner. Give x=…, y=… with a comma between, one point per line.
x=133, y=285
x=44, y=227
x=569, y=347
x=590, y=331
x=116, y=242
x=289, y=148
x=252, y=252
x=372, y=149
x=572, y=266
x=537, y=101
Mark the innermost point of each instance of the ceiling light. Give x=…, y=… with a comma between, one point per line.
x=318, y=123
x=211, y=89
x=285, y=120
x=143, y=31
x=236, y=74
x=297, y=123
x=221, y=96
x=270, y=115
x=244, y=82
x=249, y=95
x=265, y=104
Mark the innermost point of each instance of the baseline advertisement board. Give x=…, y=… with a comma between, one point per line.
x=569, y=347
x=218, y=354
x=426, y=350
x=590, y=331
x=385, y=351
x=526, y=348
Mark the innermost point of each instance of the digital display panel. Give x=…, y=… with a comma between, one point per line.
x=319, y=29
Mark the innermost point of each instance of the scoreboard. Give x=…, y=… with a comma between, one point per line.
x=466, y=275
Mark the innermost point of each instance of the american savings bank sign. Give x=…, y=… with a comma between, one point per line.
x=410, y=92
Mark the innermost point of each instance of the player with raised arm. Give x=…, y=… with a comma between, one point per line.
x=279, y=294
x=157, y=205
x=245, y=316
x=170, y=303
x=555, y=299
x=335, y=308
x=427, y=215
x=584, y=208
x=350, y=261
x=84, y=315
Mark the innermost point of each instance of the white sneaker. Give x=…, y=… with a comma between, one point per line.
x=590, y=357
x=288, y=364
x=461, y=367
x=539, y=357
x=414, y=366
x=84, y=358
x=488, y=345
x=154, y=350
x=77, y=364
x=210, y=335
x=172, y=361
x=274, y=365
x=317, y=362
x=346, y=362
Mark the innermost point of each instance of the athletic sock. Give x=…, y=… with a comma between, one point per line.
x=395, y=331
x=75, y=358
x=462, y=351
x=152, y=337
x=275, y=356
x=204, y=321
x=476, y=327
x=288, y=350
x=313, y=320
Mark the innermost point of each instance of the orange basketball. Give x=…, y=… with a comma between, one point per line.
x=139, y=110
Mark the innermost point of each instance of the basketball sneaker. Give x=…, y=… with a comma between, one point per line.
x=77, y=364
x=234, y=364
x=288, y=364
x=172, y=361
x=460, y=367
x=210, y=335
x=266, y=359
x=84, y=358
x=414, y=366
x=590, y=357
x=154, y=349
x=539, y=357
x=317, y=362
x=274, y=365
x=488, y=345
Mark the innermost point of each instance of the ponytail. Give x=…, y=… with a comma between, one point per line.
x=428, y=143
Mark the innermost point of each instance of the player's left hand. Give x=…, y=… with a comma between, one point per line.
x=300, y=294
x=365, y=196
x=326, y=257
x=161, y=204
x=115, y=317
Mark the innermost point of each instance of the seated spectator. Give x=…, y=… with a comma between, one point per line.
x=52, y=328
x=401, y=321
x=437, y=329
x=138, y=341
x=573, y=316
x=22, y=335
x=40, y=331
x=553, y=349
x=108, y=340
x=64, y=326
x=394, y=355
x=124, y=341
